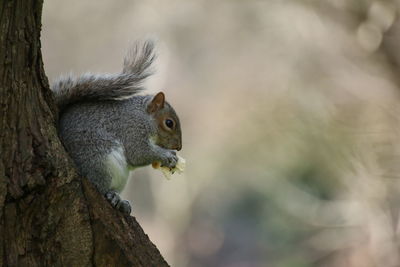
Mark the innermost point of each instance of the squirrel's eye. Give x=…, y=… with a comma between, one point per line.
x=169, y=123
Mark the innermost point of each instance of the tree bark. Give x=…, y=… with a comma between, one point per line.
x=49, y=216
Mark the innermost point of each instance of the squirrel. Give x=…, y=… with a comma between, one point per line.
x=108, y=129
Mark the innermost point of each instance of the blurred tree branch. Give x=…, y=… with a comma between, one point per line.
x=49, y=216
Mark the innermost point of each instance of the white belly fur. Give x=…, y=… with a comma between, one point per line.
x=118, y=168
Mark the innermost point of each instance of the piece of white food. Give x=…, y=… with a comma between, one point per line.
x=179, y=168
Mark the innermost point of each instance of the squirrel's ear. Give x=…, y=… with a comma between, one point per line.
x=156, y=103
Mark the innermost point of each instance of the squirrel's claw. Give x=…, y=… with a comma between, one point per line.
x=124, y=206
x=118, y=203
x=169, y=160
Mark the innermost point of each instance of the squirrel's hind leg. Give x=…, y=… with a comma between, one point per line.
x=118, y=203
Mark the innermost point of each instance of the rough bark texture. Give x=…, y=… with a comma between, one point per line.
x=49, y=216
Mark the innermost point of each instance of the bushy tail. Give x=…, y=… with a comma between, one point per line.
x=69, y=89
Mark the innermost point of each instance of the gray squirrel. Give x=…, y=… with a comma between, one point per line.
x=108, y=129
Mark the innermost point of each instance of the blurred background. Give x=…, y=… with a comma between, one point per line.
x=290, y=116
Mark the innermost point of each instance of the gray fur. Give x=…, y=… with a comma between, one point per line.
x=101, y=114
x=91, y=130
x=69, y=89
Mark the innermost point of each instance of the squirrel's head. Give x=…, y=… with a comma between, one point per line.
x=169, y=134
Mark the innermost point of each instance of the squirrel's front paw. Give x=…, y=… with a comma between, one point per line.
x=169, y=159
x=118, y=203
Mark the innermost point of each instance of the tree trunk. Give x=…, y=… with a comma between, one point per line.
x=49, y=216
